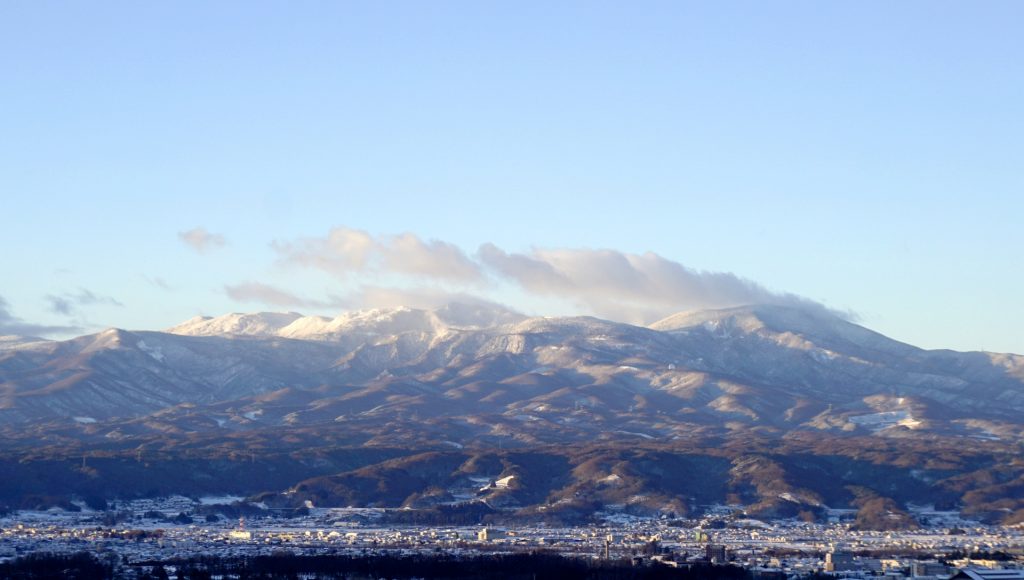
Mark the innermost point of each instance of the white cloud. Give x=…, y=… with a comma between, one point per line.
x=634, y=288
x=416, y=297
x=274, y=296
x=158, y=282
x=11, y=324
x=69, y=303
x=201, y=240
x=408, y=254
x=345, y=251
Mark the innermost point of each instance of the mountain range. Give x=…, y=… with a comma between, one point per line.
x=776, y=367
x=472, y=383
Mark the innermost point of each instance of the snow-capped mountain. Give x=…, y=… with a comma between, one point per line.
x=375, y=322
x=759, y=366
x=785, y=409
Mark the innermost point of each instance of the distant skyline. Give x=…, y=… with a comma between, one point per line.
x=164, y=160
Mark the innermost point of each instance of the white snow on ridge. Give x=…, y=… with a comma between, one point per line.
x=305, y=326
x=377, y=321
x=258, y=324
x=11, y=341
x=879, y=421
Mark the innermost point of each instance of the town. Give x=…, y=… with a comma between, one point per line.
x=159, y=530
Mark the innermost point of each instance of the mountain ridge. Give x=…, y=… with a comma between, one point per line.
x=379, y=320
x=772, y=366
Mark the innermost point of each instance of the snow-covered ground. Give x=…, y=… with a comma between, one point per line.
x=886, y=419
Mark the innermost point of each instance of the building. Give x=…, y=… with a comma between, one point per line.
x=988, y=574
x=716, y=553
x=489, y=534
x=839, y=561
x=937, y=569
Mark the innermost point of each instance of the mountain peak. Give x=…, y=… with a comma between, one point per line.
x=238, y=324
x=751, y=316
x=816, y=324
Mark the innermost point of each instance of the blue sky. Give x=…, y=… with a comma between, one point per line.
x=862, y=155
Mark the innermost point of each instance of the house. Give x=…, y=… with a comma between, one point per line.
x=987, y=574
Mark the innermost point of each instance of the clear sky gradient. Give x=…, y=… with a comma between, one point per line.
x=865, y=155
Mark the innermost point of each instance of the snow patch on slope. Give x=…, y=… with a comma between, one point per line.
x=879, y=421
x=152, y=351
